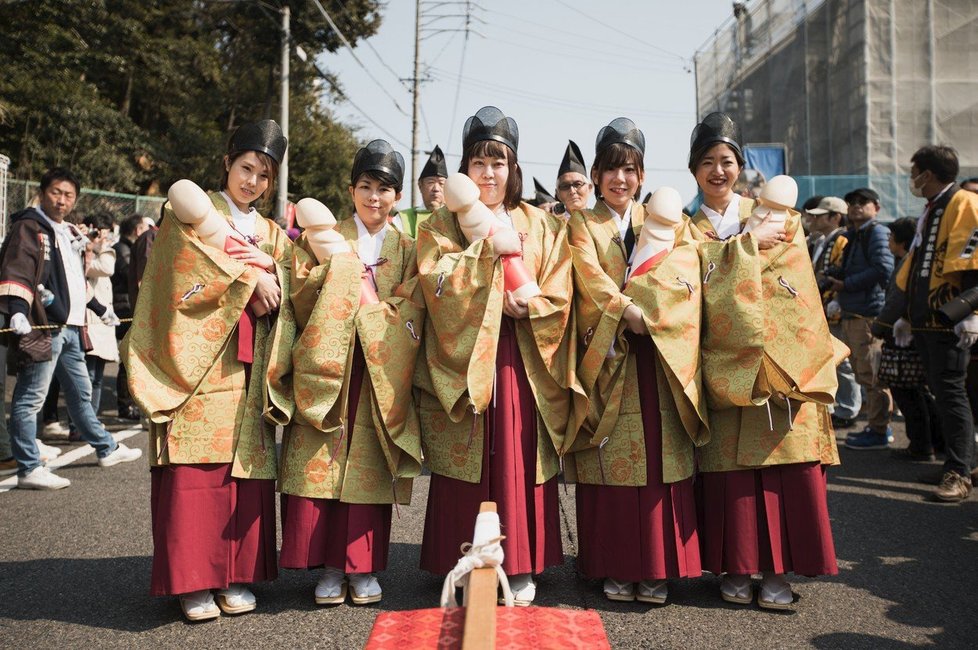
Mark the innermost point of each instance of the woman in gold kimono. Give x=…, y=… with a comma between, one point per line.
x=208, y=370
x=355, y=445
x=633, y=460
x=761, y=486
x=495, y=392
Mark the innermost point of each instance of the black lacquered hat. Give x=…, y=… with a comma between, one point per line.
x=489, y=123
x=541, y=194
x=621, y=131
x=264, y=136
x=435, y=165
x=573, y=160
x=715, y=128
x=378, y=156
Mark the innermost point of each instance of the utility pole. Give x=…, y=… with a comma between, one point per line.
x=414, y=94
x=283, y=170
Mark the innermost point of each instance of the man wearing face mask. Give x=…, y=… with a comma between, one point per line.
x=942, y=263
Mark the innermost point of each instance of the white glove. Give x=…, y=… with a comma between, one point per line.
x=967, y=331
x=109, y=318
x=19, y=324
x=902, y=335
x=833, y=309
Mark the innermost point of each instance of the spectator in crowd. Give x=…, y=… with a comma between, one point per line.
x=129, y=231
x=42, y=283
x=970, y=184
x=860, y=283
x=99, y=266
x=750, y=183
x=812, y=238
x=923, y=421
x=574, y=186
x=942, y=263
x=827, y=219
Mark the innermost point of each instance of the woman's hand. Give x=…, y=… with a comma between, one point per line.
x=245, y=252
x=267, y=295
x=635, y=320
x=769, y=234
x=515, y=307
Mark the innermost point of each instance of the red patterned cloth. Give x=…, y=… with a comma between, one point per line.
x=529, y=513
x=517, y=628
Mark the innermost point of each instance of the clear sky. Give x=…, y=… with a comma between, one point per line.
x=561, y=68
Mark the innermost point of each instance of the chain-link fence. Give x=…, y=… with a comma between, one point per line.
x=21, y=194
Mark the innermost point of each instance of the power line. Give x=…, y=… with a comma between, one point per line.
x=461, y=66
x=383, y=62
x=356, y=58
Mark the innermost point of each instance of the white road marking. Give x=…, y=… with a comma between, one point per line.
x=69, y=457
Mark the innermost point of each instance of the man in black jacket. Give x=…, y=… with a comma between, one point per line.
x=129, y=231
x=42, y=284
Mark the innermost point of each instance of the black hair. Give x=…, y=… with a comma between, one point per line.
x=939, y=159
x=99, y=220
x=56, y=174
x=697, y=157
x=385, y=179
x=614, y=156
x=128, y=227
x=811, y=203
x=904, y=230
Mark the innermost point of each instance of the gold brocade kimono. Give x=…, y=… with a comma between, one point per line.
x=463, y=289
x=669, y=295
x=384, y=442
x=182, y=352
x=768, y=358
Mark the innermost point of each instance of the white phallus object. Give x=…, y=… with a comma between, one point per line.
x=485, y=551
x=664, y=212
x=318, y=222
x=777, y=197
x=192, y=206
x=478, y=222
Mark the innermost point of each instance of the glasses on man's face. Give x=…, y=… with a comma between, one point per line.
x=576, y=186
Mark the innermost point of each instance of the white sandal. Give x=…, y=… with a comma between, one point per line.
x=619, y=591
x=365, y=588
x=653, y=591
x=775, y=593
x=199, y=606
x=736, y=589
x=331, y=588
x=236, y=599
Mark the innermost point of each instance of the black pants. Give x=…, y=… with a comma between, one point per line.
x=123, y=398
x=921, y=417
x=947, y=375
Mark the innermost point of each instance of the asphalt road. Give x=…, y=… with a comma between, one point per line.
x=75, y=563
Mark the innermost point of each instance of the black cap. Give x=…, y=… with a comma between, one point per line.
x=861, y=196
x=378, y=156
x=715, y=128
x=542, y=195
x=489, y=123
x=264, y=136
x=621, y=131
x=435, y=165
x=573, y=160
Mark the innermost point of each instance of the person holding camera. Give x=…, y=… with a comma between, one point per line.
x=860, y=282
x=943, y=264
x=42, y=283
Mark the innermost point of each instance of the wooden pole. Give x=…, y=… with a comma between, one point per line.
x=480, y=610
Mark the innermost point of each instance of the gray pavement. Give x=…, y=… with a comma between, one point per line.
x=74, y=572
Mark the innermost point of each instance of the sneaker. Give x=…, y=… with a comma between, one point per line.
x=8, y=467
x=41, y=478
x=55, y=431
x=912, y=455
x=868, y=439
x=953, y=488
x=47, y=452
x=122, y=454
x=842, y=423
x=129, y=413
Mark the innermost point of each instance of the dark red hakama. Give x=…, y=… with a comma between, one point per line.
x=640, y=533
x=771, y=519
x=528, y=512
x=353, y=537
x=210, y=529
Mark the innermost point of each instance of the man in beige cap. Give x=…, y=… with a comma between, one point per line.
x=828, y=220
